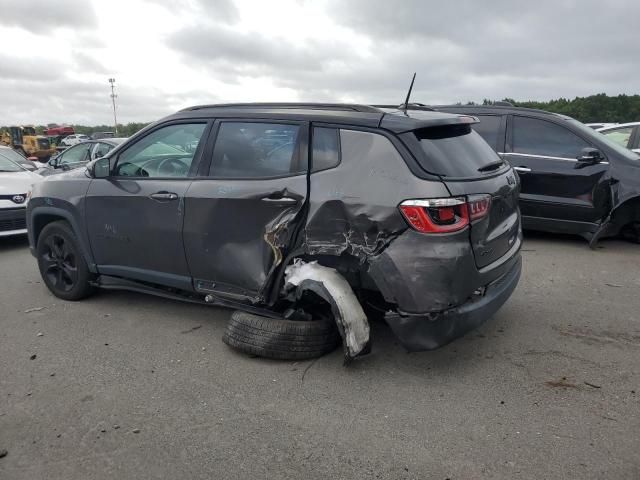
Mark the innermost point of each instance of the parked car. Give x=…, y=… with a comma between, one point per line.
x=574, y=180
x=99, y=135
x=597, y=126
x=79, y=155
x=15, y=185
x=282, y=211
x=70, y=140
x=624, y=134
x=10, y=154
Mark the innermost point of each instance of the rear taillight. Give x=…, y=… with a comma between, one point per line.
x=445, y=215
x=478, y=206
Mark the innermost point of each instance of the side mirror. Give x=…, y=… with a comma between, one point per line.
x=53, y=162
x=590, y=155
x=100, y=168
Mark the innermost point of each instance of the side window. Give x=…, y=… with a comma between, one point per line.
x=166, y=152
x=539, y=137
x=76, y=154
x=326, y=149
x=100, y=150
x=255, y=150
x=489, y=128
x=620, y=135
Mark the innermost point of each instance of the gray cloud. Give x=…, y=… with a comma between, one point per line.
x=461, y=50
x=42, y=16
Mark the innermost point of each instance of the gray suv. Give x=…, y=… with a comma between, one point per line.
x=308, y=219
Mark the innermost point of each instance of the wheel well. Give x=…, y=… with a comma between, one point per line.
x=626, y=214
x=41, y=221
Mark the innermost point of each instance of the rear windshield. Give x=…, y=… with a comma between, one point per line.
x=456, y=151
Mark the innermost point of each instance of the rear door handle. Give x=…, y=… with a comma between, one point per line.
x=164, y=196
x=522, y=169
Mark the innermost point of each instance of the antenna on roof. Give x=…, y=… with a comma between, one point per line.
x=405, y=105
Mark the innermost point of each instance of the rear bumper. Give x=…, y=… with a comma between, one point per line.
x=417, y=332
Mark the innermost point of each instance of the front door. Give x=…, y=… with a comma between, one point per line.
x=242, y=218
x=134, y=218
x=555, y=186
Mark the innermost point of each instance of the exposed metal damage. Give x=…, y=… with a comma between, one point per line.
x=331, y=286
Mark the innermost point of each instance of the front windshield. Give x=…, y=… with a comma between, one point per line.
x=591, y=133
x=7, y=165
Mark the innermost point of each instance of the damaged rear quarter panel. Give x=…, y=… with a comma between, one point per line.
x=353, y=208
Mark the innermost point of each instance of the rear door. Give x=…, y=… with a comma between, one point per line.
x=245, y=211
x=134, y=217
x=555, y=186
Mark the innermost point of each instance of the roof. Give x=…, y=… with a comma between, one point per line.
x=496, y=109
x=390, y=118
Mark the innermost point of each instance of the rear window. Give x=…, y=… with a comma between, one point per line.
x=456, y=151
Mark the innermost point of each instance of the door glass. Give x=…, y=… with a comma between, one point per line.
x=539, y=137
x=619, y=135
x=101, y=150
x=166, y=152
x=326, y=153
x=76, y=154
x=256, y=150
x=488, y=128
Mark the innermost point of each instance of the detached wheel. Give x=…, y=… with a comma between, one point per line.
x=279, y=338
x=62, y=266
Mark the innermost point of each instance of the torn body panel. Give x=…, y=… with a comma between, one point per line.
x=352, y=209
x=624, y=186
x=332, y=287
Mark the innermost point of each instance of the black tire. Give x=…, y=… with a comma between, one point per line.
x=61, y=263
x=279, y=338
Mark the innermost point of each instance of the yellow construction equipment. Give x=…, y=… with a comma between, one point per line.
x=25, y=141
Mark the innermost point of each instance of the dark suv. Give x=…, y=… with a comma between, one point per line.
x=272, y=208
x=574, y=179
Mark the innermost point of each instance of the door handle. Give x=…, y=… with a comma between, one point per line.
x=271, y=199
x=164, y=196
x=522, y=169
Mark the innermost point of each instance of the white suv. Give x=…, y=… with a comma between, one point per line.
x=74, y=140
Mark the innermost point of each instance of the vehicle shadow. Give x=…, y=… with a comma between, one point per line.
x=15, y=242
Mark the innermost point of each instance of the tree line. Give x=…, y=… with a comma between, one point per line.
x=595, y=108
x=124, y=130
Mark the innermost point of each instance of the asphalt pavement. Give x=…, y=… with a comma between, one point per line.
x=129, y=386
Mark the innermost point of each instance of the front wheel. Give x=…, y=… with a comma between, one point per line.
x=62, y=266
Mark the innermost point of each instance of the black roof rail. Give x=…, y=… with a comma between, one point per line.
x=286, y=105
x=411, y=106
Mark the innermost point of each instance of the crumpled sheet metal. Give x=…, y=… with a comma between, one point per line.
x=330, y=285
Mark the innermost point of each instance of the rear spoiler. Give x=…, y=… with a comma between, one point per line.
x=401, y=123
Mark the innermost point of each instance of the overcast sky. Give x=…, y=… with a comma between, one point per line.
x=168, y=54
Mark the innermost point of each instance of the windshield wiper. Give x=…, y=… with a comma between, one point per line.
x=491, y=166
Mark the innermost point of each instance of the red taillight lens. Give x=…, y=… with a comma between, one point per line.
x=440, y=215
x=445, y=215
x=478, y=206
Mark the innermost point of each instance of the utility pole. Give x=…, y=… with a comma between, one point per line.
x=112, y=81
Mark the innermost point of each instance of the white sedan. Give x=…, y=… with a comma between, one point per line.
x=15, y=185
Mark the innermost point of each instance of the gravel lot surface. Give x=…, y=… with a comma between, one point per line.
x=129, y=386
